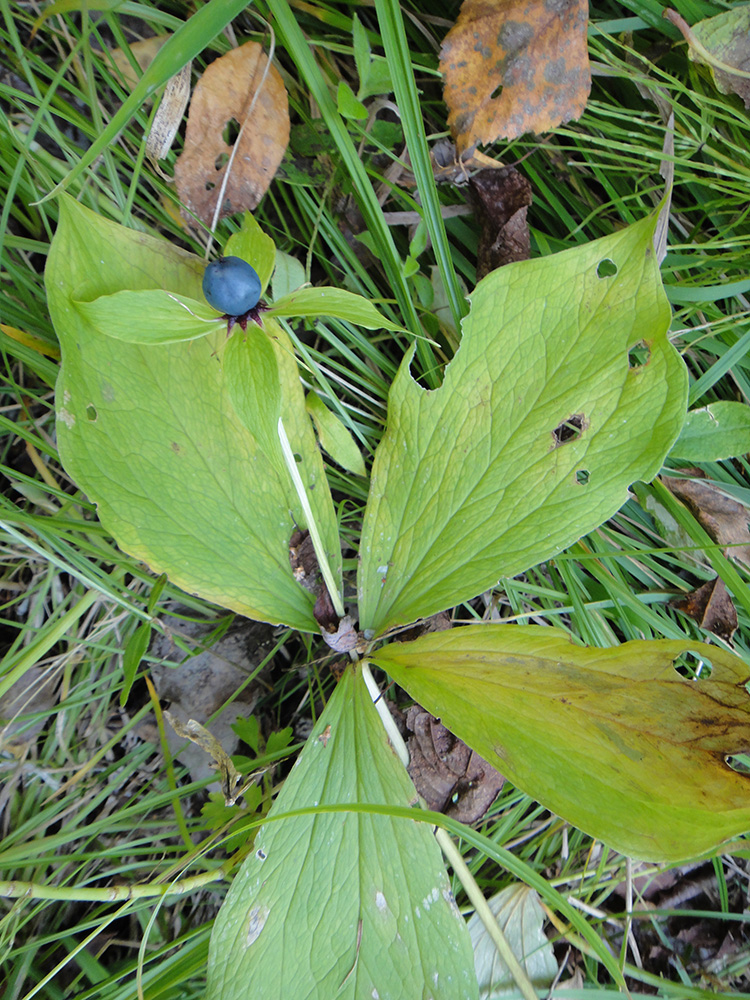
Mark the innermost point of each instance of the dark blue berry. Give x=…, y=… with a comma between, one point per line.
x=231, y=285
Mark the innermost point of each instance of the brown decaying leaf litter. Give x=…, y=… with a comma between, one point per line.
x=221, y=101
x=536, y=50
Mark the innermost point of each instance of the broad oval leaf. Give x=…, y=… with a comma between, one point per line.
x=150, y=434
x=542, y=422
x=615, y=741
x=352, y=905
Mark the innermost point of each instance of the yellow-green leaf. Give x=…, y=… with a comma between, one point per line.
x=616, y=741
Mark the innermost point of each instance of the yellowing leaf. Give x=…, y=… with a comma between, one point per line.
x=535, y=50
x=616, y=741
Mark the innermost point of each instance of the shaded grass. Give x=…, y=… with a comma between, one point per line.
x=86, y=802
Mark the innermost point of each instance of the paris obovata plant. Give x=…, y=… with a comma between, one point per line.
x=181, y=414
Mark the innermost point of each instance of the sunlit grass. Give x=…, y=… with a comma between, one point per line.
x=86, y=801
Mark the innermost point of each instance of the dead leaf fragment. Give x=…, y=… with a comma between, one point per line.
x=723, y=44
x=535, y=50
x=449, y=776
x=220, y=105
x=501, y=199
x=230, y=777
x=725, y=520
x=712, y=607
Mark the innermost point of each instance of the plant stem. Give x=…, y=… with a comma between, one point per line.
x=312, y=526
x=452, y=854
x=397, y=741
x=455, y=859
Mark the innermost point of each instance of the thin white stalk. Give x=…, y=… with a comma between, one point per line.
x=452, y=854
x=397, y=740
x=312, y=526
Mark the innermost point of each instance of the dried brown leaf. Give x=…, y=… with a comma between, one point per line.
x=712, y=607
x=501, y=199
x=725, y=520
x=535, y=50
x=449, y=776
x=221, y=101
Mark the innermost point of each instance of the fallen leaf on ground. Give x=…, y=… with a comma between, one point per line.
x=723, y=44
x=520, y=915
x=712, y=607
x=451, y=777
x=220, y=105
x=535, y=50
x=724, y=519
x=501, y=199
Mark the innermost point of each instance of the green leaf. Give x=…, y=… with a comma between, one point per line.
x=288, y=275
x=150, y=316
x=535, y=435
x=135, y=649
x=252, y=375
x=347, y=103
x=149, y=433
x=334, y=437
x=351, y=905
x=714, y=432
x=254, y=246
x=519, y=913
x=615, y=741
x=307, y=303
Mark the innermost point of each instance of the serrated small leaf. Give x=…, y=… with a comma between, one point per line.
x=308, y=303
x=334, y=437
x=539, y=428
x=254, y=246
x=348, y=105
x=352, y=905
x=714, y=432
x=616, y=741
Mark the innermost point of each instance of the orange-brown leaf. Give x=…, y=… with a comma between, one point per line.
x=220, y=103
x=534, y=49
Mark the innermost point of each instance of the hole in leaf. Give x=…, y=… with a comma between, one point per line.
x=221, y=160
x=91, y=412
x=569, y=429
x=231, y=131
x=639, y=355
x=496, y=92
x=739, y=762
x=692, y=666
x=582, y=476
x=297, y=457
x=606, y=268
x=210, y=185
